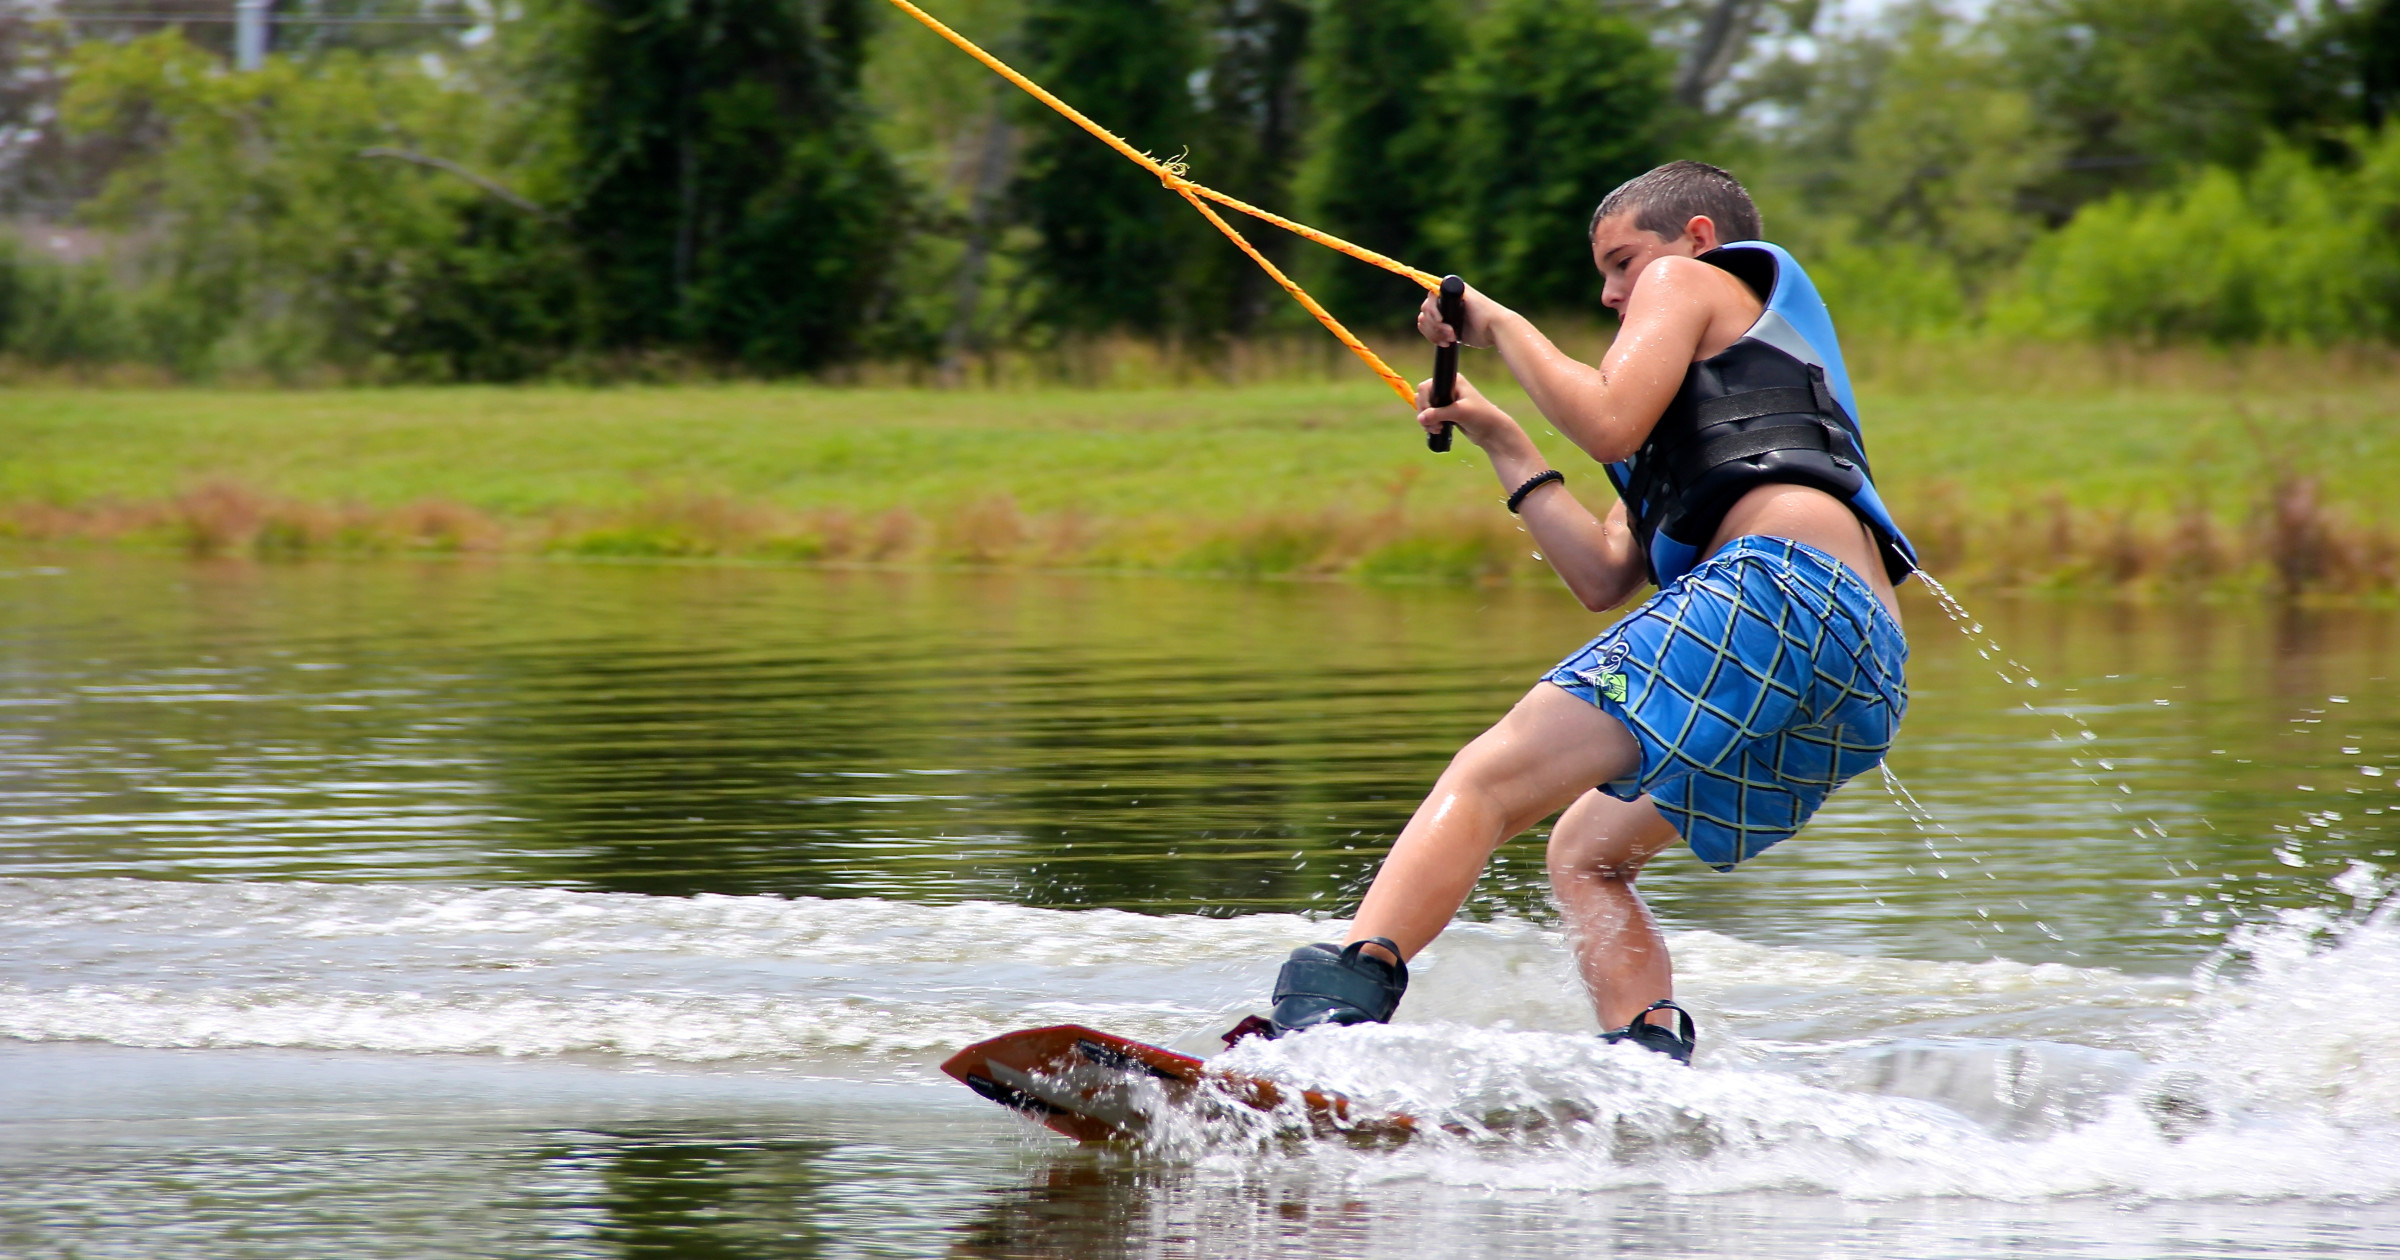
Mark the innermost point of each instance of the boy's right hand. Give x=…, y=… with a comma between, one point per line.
x=1476, y=416
x=1477, y=333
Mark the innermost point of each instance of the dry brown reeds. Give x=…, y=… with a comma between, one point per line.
x=223, y=518
x=2291, y=543
x=987, y=531
x=2288, y=542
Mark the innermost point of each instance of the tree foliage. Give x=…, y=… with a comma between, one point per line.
x=1111, y=240
x=1930, y=156
x=1378, y=151
x=774, y=186
x=1556, y=102
x=2374, y=34
x=279, y=236
x=2141, y=89
x=1251, y=105
x=2290, y=250
x=727, y=193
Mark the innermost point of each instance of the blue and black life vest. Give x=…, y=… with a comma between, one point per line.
x=1775, y=406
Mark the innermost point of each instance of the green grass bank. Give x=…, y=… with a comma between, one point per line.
x=2012, y=465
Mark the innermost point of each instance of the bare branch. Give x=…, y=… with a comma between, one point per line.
x=1723, y=31
x=489, y=185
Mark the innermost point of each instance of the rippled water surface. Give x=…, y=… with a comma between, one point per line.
x=538, y=909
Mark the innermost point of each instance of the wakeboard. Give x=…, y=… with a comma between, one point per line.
x=1094, y=1087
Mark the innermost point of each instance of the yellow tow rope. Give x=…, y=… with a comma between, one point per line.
x=1171, y=173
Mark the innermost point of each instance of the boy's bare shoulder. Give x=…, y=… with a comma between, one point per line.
x=1690, y=278
x=1691, y=288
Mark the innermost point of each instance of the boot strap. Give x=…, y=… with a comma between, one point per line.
x=1314, y=971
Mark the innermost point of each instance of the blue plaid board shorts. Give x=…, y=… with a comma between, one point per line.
x=1756, y=684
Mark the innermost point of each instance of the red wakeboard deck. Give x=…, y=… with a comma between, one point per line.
x=1093, y=1087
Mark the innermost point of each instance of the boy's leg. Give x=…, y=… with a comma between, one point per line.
x=1596, y=850
x=1548, y=750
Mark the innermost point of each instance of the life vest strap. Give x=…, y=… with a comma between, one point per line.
x=1781, y=400
x=1696, y=460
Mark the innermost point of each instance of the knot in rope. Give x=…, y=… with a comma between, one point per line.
x=1174, y=173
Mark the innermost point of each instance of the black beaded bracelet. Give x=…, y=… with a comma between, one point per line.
x=1540, y=479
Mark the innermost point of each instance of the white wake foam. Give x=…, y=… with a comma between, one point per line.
x=2262, y=1075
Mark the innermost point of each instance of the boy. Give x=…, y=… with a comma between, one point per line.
x=1764, y=673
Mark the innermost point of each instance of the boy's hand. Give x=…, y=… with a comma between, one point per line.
x=1484, y=424
x=1477, y=333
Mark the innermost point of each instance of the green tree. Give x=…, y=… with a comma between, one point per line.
x=2290, y=250
x=505, y=298
x=1948, y=151
x=1250, y=104
x=2376, y=37
x=729, y=196
x=2145, y=89
x=1374, y=169
x=951, y=128
x=1950, y=144
x=280, y=216
x=1112, y=242
x=1558, y=101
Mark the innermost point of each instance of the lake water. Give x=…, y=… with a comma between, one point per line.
x=530, y=909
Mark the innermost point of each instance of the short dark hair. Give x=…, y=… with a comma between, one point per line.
x=1665, y=199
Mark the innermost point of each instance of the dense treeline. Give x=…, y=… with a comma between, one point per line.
x=771, y=186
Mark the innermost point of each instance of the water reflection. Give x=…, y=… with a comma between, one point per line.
x=1083, y=1205
x=667, y=1196
x=1147, y=744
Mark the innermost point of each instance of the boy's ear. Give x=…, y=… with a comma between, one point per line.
x=1701, y=231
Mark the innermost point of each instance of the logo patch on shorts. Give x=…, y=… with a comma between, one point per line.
x=1609, y=678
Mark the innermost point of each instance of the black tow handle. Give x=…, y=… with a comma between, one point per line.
x=1453, y=305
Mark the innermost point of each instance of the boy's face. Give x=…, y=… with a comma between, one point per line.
x=1622, y=251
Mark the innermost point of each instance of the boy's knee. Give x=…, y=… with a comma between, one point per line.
x=1585, y=860
x=1601, y=837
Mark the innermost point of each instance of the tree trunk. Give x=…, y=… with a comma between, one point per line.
x=992, y=169
x=1722, y=33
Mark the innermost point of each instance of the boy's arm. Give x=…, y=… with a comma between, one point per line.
x=1599, y=560
x=1608, y=410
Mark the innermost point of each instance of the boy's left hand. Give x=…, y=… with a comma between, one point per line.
x=1477, y=332
x=1476, y=416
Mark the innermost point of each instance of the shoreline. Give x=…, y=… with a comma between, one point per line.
x=1413, y=556
x=2168, y=475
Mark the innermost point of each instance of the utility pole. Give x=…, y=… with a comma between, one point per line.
x=250, y=33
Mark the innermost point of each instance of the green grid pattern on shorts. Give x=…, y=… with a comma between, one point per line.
x=1749, y=703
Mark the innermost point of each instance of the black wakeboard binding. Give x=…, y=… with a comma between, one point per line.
x=1676, y=1043
x=1334, y=984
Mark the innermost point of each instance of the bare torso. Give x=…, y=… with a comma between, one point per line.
x=1808, y=515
